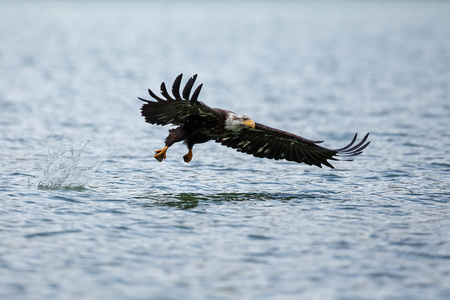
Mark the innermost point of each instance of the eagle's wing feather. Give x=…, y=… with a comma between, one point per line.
x=176, y=109
x=268, y=142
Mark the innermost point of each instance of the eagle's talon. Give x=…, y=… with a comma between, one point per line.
x=188, y=156
x=160, y=154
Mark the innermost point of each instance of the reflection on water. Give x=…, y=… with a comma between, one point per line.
x=192, y=200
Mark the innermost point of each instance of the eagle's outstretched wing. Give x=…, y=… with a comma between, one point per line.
x=268, y=142
x=178, y=108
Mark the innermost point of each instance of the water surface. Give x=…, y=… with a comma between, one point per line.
x=86, y=212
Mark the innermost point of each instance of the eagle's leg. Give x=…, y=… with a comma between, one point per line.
x=197, y=138
x=175, y=135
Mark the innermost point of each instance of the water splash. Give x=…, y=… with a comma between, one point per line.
x=65, y=170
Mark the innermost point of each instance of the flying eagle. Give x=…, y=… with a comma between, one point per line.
x=199, y=123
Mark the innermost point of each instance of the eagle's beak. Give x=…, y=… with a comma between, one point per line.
x=250, y=123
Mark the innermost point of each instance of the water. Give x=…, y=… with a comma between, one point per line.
x=87, y=213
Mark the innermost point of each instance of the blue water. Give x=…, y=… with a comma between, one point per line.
x=87, y=213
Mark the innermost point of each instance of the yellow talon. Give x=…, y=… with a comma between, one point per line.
x=161, y=154
x=188, y=156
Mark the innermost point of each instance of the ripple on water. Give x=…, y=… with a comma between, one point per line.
x=50, y=233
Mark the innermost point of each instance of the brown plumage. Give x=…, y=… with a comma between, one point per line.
x=199, y=123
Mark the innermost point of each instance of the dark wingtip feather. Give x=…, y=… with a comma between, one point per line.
x=349, y=145
x=187, y=89
x=165, y=93
x=354, y=150
x=176, y=86
x=326, y=163
x=359, y=144
x=196, y=93
x=176, y=91
x=142, y=99
x=154, y=96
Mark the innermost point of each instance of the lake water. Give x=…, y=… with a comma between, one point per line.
x=87, y=213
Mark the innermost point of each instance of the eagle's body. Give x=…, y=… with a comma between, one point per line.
x=199, y=123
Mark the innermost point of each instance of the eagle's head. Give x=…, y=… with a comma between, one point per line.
x=236, y=122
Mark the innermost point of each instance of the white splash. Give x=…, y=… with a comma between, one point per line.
x=64, y=169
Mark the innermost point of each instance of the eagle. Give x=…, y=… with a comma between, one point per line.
x=198, y=123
